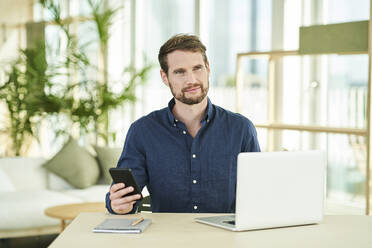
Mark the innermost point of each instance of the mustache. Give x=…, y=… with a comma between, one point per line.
x=192, y=86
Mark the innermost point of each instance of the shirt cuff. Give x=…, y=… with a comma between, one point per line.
x=108, y=205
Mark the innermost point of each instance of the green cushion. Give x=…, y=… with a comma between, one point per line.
x=74, y=164
x=107, y=158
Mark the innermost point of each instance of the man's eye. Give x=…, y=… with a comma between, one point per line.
x=197, y=68
x=179, y=72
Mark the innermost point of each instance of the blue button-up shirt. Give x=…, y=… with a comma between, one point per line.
x=186, y=174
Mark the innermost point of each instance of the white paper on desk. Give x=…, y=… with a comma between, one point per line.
x=121, y=226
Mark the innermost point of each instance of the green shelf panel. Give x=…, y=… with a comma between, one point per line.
x=334, y=38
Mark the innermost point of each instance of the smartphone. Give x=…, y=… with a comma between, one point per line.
x=124, y=175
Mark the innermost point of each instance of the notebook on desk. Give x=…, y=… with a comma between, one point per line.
x=276, y=189
x=121, y=226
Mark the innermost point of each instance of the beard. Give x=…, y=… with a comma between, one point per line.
x=190, y=100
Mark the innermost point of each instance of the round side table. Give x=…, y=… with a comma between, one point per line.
x=70, y=211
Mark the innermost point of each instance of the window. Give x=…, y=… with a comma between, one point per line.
x=157, y=22
x=325, y=91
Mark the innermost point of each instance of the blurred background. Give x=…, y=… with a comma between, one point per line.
x=88, y=69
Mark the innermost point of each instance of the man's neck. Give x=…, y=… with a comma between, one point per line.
x=191, y=115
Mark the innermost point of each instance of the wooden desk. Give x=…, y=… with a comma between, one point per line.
x=180, y=230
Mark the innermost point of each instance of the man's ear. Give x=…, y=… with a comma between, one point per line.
x=164, y=77
x=207, y=66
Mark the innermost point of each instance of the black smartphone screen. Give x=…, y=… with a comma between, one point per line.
x=124, y=175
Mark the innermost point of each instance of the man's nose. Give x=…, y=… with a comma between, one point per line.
x=190, y=78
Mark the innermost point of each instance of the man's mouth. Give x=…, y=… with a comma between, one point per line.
x=192, y=89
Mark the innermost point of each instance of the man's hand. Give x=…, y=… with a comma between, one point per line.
x=120, y=204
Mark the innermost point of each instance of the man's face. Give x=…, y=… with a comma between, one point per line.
x=188, y=76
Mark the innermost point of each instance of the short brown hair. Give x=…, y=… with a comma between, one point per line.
x=184, y=42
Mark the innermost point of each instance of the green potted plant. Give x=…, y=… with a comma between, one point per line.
x=33, y=90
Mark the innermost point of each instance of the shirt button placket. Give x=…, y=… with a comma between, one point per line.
x=194, y=181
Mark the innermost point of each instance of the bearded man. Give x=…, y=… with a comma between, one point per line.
x=185, y=154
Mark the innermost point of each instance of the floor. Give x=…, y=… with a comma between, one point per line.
x=28, y=242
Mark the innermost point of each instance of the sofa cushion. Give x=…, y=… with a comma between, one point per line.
x=25, y=209
x=5, y=184
x=58, y=183
x=107, y=158
x=96, y=193
x=75, y=164
x=25, y=173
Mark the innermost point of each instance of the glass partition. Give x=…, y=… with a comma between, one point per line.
x=313, y=102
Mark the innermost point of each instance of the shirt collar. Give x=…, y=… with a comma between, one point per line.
x=172, y=119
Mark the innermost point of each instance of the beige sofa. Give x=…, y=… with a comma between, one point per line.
x=27, y=189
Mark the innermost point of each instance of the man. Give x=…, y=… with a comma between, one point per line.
x=185, y=154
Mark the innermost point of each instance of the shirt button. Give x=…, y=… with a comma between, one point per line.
x=184, y=132
x=195, y=207
x=176, y=120
x=194, y=181
x=194, y=156
x=174, y=124
x=208, y=120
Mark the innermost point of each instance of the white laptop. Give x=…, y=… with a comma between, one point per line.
x=276, y=189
